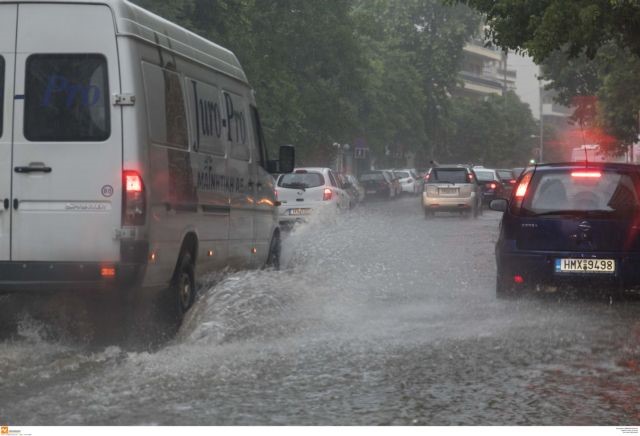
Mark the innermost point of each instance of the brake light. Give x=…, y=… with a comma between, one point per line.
x=586, y=174
x=521, y=191
x=108, y=272
x=426, y=177
x=518, y=280
x=470, y=177
x=328, y=194
x=133, y=199
x=512, y=181
x=133, y=182
x=492, y=186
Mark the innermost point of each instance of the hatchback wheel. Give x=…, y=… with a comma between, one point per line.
x=503, y=289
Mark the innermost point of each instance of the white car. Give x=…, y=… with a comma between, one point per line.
x=305, y=191
x=409, y=181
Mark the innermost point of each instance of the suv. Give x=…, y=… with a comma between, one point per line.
x=451, y=188
x=570, y=224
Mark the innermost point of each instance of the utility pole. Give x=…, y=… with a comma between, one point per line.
x=541, y=123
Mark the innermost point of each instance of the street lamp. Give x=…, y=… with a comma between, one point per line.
x=540, y=151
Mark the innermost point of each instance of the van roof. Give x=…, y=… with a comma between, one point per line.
x=136, y=22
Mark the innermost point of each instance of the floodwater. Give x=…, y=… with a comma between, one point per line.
x=380, y=317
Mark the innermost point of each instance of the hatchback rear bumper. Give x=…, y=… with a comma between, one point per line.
x=18, y=277
x=539, y=268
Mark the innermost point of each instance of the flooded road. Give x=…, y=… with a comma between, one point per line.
x=382, y=318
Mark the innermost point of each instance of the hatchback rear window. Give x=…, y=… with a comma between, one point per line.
x=448, y=175
x=485, y=176
x=505, y=175
x=66, y=98
x=589, y=191
x=402, y=174
x=371, y=177
x=301, y=180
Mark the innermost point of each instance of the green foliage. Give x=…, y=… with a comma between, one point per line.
x=330, y=71
x=541, y=27
x=590, y=50
x=496, y=131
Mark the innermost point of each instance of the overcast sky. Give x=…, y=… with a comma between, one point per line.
x=527, y=86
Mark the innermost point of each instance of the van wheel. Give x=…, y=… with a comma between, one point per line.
x=183, y=287
x=275, y=250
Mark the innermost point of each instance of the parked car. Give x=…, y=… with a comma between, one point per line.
x=517, y=172
x=410, y=182
x=508, y=180
x=355, y=189
x=378, y=184
x=451, y=188
x=395, y=181
x=570, y=225
x=490, y=185
x=305, y=191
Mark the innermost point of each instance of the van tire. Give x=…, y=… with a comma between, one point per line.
x=275, y=252
x=182, y=291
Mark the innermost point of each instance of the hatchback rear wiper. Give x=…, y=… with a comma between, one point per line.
x=295, y=186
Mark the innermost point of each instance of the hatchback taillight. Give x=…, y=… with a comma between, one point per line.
x=521, y=192
x=133, y=199
x=328, y=194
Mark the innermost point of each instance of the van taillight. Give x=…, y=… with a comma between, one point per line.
x=328, y=194
x=133, y=199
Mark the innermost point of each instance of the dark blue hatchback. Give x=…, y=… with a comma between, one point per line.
x=570, y=225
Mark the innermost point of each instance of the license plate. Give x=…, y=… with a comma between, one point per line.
x=448, y=191
x=589, y=266
x=298, y=212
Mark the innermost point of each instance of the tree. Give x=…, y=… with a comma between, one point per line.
x=590, y=51
x=541, y=27
x=495, y=131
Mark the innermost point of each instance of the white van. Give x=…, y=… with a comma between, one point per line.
x=131, y=153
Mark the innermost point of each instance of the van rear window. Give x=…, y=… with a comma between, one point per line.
x=66, y=98
x=1, y=94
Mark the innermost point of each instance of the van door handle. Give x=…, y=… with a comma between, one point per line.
x=16, y=203
x=27, y=170
x=6, y=203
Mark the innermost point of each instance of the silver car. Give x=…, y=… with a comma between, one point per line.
x=451, y=188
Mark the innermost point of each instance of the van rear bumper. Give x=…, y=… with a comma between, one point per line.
x=17, y=277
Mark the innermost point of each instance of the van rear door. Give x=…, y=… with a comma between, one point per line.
x=67, y=149
x=8, y=16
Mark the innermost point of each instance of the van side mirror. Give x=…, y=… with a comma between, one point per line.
x=287, y=158
x=286, y=161
x=499, y=205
